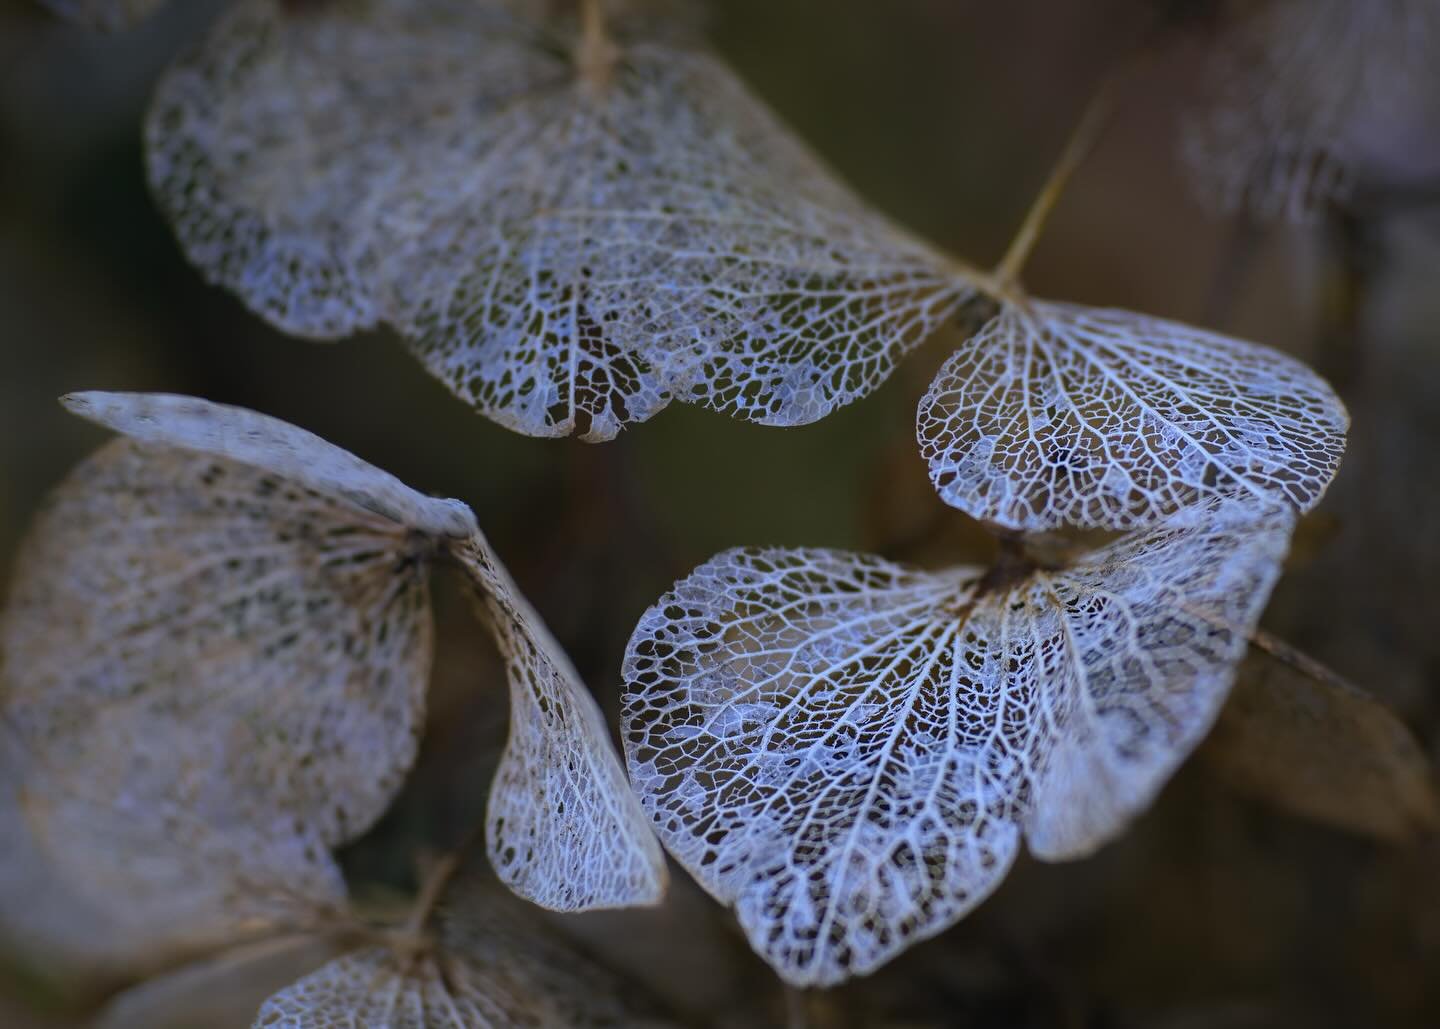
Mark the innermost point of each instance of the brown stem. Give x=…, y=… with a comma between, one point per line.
x=1082, y=140
x=1012, y=563
x=1295, y=658
x=1287, y=654
x=597, y=53
x=438, y=877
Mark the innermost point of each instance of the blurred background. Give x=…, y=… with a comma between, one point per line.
x=1217, y=910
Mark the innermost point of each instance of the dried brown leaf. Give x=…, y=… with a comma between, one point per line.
x=1323, y=751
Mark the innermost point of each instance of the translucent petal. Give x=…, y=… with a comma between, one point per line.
x=492, y=968
x=566, y=254
x=685, y=245
x=266, y=144
x=1299, y=92
x=223, y=992
x=848, y=751
x=108, y=872
x=272, y=446
x=216, y=675
x=1057, y=414
x=176, y=592
x=811, y=733
x=40, y=916
x=563, y=827
x=1131, y=654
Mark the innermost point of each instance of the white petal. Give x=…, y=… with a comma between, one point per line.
x=205, y=661
x=1056, y=415
x=273, y=446
x=563, y=827
x=567, y=257
x=288, y=631
x=494, y=967
x=818, y=738
x=1133, y=651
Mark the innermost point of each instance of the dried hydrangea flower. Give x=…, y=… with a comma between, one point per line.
x=491, y=963
x=568, y=240
x=219, y=639
x=849, y=751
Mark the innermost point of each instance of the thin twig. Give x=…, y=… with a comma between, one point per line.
x=592, y=19
x=597, y=53
x=437, y=878
x=1296, y=659
x=1287, y=654
x=1083, y=138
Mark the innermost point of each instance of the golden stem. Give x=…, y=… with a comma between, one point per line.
x=988, y=283
x=1285, y=653
x=1297, y=660
x=592, y=18
x=1082, y=140
x=596, y=55
x=437, y=877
